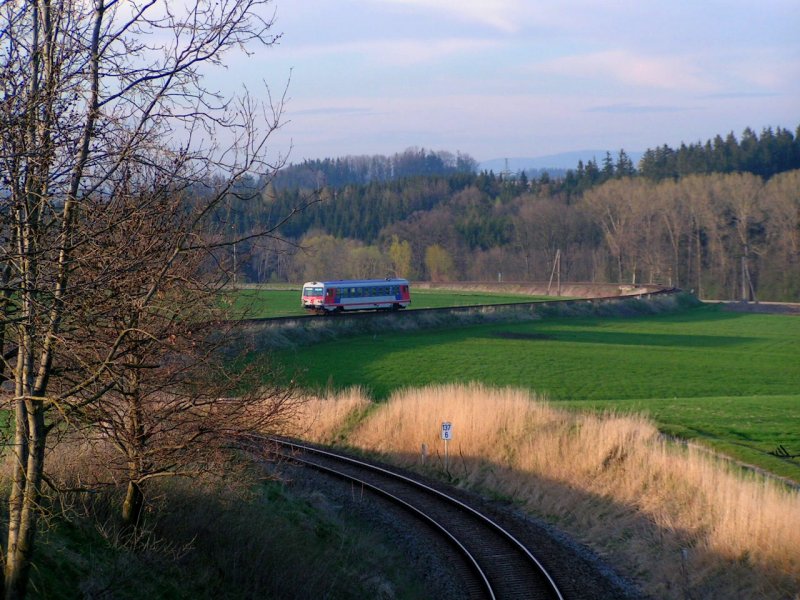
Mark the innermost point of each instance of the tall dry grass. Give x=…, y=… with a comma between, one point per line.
x=327, y=418
x=678, y=520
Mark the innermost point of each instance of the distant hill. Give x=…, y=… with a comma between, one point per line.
x=564, y=160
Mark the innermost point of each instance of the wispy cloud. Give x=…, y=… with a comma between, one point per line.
x=497, y=14
x=637, y=109
x=740, y=95
x=401, y=52
x=661, y=72
x=351, y=111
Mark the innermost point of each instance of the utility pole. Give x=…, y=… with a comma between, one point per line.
x=557, y=272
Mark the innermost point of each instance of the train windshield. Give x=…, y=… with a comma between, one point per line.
x=312, y=291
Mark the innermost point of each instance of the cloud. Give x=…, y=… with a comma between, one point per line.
x=667, y=73
x=624, y=108
x=334, y=110
x=400, y=52
x=497, y=14
x=740, y=95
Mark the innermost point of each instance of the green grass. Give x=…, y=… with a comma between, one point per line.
x=747, y=428
x=270, y=302
x=731, y=380
x=278, y=541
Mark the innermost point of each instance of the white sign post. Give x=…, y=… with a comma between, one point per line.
x=447, y=435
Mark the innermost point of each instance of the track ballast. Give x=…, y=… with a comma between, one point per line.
x=495, y=564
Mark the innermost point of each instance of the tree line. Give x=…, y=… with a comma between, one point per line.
x=714, y=233
x=358, y=205
x=772, y=152
x=361, y=170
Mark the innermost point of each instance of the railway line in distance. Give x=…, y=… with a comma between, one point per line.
x=532, y=307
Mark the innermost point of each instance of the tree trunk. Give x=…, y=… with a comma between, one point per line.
x=25, y=496
x=132, y=506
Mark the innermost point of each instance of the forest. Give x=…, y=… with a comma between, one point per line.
x=721, y=218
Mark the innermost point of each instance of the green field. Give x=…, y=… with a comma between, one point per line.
x=731, y=380
x=275, y=302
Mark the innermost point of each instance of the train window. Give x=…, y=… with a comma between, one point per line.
x=312, y=291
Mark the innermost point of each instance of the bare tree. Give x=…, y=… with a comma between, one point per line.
x=163, y=399
x=97, y=99
x=781, y=199
x=621, y=208
x=737, y=196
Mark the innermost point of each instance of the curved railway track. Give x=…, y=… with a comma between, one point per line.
x=497, y=564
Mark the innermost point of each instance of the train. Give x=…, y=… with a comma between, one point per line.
x=327, y=297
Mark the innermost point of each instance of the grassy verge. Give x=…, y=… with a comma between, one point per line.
x=680, y=522
x=730, y=380
x=747, y=428
x=274, y=542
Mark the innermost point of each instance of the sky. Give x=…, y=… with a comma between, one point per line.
x=524, y=78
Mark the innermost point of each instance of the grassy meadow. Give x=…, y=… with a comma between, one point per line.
x=727, y=379
x=268, y=302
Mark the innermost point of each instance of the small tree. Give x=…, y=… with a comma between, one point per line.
x=162, y=397
x=439, y=263
x=400, y=255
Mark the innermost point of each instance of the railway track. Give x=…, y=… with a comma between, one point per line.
x=450, y=310
x=494, y=563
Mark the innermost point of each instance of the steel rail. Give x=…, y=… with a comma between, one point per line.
x=504, y=533
x=471, y=560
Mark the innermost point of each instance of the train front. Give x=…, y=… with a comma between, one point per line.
x=313, y=296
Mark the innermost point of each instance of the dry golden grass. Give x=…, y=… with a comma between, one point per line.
x=678, y=520
x=325, y=419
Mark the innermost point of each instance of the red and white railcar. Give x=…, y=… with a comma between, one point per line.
x=355, y=294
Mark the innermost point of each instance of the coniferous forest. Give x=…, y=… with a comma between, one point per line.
x=720, y=217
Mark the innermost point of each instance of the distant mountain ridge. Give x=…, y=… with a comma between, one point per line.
x=563, y=160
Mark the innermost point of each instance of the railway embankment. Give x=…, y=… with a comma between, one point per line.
x=287, y=332
x=545, y=288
